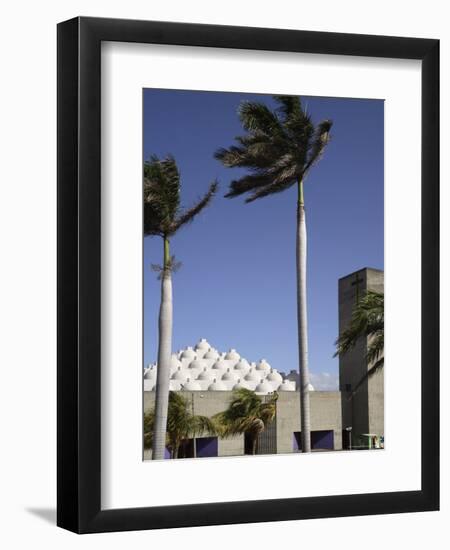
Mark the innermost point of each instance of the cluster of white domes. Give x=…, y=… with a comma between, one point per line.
x=204, y=368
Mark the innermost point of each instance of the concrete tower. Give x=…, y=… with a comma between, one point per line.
x=364, y=412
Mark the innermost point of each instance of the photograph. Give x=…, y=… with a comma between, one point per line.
x=221, y=197
x=263, y=274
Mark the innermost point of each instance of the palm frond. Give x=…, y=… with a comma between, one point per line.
x=231, y=157
x=173, y=265
x=188, y=215
x=320, y=141
x=281, y=181
x=257, y=117
x=246, y=413
x=161, y=194
x=248, y=183
x=297, y=124
x=276, y=149
x=203, y=424
x=181, y=423
x=162, y=212
x=367, y=319
x=289, y=106
x=256, y=156
x=376, y=346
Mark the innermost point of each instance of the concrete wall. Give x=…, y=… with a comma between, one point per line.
x=325, y=415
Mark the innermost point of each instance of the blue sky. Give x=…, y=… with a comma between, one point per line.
x=236, y=286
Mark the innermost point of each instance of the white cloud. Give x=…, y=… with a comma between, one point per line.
x=324, y=381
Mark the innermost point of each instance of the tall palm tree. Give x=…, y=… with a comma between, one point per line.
x=163, y=216
x=279, y=149
x=246, y=414
x=182, y=424
x=367, y=321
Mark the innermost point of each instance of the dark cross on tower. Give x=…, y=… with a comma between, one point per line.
x=356, y=283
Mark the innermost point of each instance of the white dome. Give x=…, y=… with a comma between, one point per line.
x=293, y=376
x=205, y=375
x=287, y=385
x=174, y=361
x=252, y=376
x=211, y=354
x=230, y=375
x=174, y=385
x=274, y=376
x=150, y=374
x=191, y=385
x=263, y=365
x=198, y=364
x=263, y=387
x=220, y=365
x=311, y=387
x=188, y=353
x=202, y=344
x=217, y=385
x=242, y=365
x=149, y=385
x=179, y=375
x=232, y=355
x=240, y=384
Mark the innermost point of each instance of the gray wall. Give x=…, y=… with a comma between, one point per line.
x=325, y=415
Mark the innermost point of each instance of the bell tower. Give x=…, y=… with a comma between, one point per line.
x=362, y=411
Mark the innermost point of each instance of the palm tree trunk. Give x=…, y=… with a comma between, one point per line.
x=302, y=323
x=176, y=450
x=254, y=444
x=164, y=357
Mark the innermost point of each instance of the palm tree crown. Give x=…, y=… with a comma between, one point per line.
x=247, y=413
x=280, y=147
x=181, y=424
x=367, y=322
x=163, y=214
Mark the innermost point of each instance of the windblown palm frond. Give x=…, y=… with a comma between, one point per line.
x=367, y=322
x=246, y=413
x=163, y=214
x=186, y=216
x=279, y=148
x=181, y=423
x=320, y=141
x=257, y=117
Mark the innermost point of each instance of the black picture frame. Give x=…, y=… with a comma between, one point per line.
x=79, y=280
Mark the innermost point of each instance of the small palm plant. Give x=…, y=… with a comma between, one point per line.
x=182, y=424
x=163, y=217
x=367, y=322
x=279, y=150
x=247, y=414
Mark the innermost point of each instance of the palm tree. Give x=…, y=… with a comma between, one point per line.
x=279, y=149
x=367, y=322
x=182, y=424
x=163, y=216
x=246, y=414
